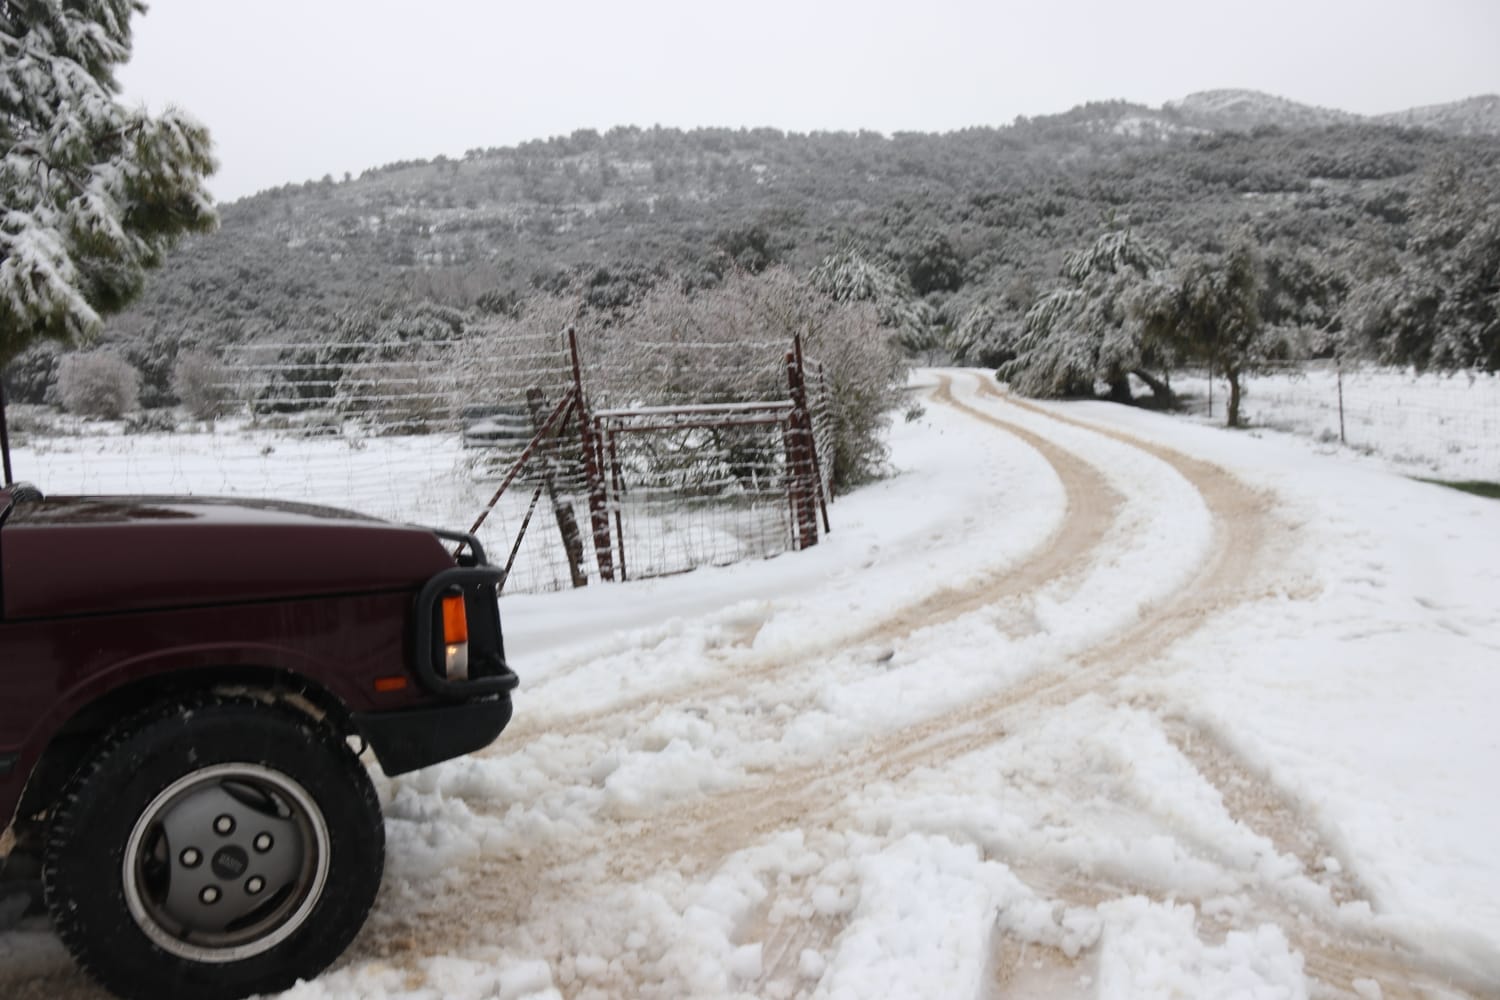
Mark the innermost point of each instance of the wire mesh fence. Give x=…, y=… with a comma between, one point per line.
x=1445, y=425
x=591, y=457
x=696, y=485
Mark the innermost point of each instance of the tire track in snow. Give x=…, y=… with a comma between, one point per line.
x=1093, y=506
x=702, y=831
x=1228, y=576
x=1242, y=552
x=1335, y=957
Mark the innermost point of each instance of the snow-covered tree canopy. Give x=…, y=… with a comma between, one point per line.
x=1088, y=330
x=92, y=193
x=1437, y=303
x=847, y=275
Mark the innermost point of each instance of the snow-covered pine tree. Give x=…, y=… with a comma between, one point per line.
x=1088, y=330
x=92, y=193
x=848, y=275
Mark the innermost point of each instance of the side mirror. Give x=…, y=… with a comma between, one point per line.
x=23, y=493
x=14, y=494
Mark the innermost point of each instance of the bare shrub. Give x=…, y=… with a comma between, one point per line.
x=722, y=345
x=98, y=384
x=728, y=344
x=409, y=396
x=201, y=383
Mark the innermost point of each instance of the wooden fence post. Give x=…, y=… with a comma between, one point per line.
x=593, y=467
x=567, y=524
x=799, y=455
x=815, y=463
x=1342, y=439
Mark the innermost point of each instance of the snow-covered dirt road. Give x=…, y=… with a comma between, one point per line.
x=1084, y=702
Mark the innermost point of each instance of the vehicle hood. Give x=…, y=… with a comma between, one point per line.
x=67, y=556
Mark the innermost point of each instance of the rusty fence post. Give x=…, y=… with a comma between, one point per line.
x=799, y=397
x=617, y=484
x=567, y=523
x=799, y=462
x=593, y=469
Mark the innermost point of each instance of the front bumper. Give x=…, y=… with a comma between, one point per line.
x=466, y=713
x=416, y=737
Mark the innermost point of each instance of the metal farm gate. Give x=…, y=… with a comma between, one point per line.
x=647, y=490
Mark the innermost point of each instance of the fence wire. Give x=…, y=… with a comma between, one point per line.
x=1441, y=425
x=698, y=488
x=712, y=488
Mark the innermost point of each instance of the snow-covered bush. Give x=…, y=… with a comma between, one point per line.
x=161, y=421
x=98, y=384
x=200, y=383
x=31, y=377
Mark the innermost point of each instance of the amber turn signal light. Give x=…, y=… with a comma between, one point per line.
x=455, y=620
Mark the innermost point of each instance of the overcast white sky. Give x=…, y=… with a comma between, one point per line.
x=295, y=89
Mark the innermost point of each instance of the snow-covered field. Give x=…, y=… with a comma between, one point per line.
x=1437, y=425
x=1084, y=702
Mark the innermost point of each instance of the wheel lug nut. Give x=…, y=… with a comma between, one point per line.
x=264, y=842
x=210, y=895
x=224, y=825
x=191, y=858
x=255, y=886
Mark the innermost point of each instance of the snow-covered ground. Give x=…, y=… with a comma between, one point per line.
x=1083, y=702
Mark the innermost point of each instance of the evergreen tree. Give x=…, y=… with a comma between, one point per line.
x=1437, y=303
x=1089, y=330
x=931, y=262
x=848, y=276
x=1212, y=313
x=92, y=194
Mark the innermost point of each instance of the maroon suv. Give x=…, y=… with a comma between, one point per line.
x=182, y=683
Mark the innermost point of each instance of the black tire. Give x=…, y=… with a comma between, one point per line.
x=276, y=898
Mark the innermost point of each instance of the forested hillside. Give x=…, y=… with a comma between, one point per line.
x=968, y=230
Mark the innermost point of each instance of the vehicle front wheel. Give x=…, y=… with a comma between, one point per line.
x=213, y=850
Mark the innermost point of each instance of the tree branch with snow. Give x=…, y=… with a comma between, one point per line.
x=94, y=193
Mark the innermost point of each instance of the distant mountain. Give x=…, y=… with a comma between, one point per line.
x=1474, y=116
x=1243, y=110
